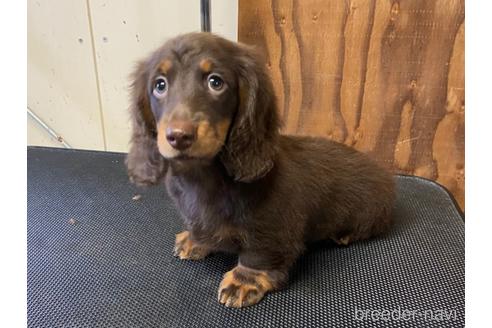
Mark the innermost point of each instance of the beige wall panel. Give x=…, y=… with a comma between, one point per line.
x=223, y=18
x=124, y=32
x=61, y=79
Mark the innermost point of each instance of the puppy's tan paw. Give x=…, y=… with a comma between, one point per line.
x=243, y=287
x=344, y=241
x=186, y=249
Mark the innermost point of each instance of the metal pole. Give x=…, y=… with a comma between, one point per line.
x=45, y=126
x=205, y=15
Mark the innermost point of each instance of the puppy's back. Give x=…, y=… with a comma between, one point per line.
x=350, y=194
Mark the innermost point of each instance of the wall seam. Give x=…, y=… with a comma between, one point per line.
x=96, y=71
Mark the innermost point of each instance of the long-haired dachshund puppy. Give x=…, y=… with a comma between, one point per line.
x=205, y=120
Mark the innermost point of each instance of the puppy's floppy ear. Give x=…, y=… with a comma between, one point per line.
x=144, y=162
x=251, y=146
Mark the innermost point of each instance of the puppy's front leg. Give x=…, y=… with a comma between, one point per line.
x=244, y=286
x=187, y=249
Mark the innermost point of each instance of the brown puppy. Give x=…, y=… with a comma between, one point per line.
x=205, y=119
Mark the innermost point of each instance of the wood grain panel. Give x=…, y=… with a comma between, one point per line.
x=386, y=77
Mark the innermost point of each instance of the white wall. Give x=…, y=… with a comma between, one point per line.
x=81, y=52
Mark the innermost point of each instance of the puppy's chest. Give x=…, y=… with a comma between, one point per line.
x=209, y=212
x=205, y=203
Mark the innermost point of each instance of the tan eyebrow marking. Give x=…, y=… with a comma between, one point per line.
x=206, y=65
x=165, y=66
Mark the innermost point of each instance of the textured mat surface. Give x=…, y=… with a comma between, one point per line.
x=97, y=258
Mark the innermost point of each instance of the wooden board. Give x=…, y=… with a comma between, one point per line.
x=386, y=77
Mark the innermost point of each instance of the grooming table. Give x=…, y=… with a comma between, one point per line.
x=99, y=258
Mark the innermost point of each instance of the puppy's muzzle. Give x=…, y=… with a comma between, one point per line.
x=181, y=134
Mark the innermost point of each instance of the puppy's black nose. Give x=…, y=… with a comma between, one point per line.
x=180, y=135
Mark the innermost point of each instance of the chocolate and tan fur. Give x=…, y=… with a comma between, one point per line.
x=205, y=120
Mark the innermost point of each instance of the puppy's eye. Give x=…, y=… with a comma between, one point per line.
x=160, y=86
x=215, y=82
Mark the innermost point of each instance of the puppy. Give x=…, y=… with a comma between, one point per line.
x=205, y=120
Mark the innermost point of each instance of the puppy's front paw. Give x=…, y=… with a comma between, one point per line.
x=242, y=287
x=186, y=249
x=344, y=241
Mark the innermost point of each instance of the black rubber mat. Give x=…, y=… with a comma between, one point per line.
x=98, y=258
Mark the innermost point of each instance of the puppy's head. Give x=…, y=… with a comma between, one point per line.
x=208, y=98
